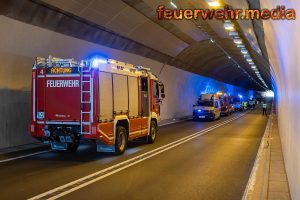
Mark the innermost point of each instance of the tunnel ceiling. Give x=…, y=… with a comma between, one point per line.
x=132, y=26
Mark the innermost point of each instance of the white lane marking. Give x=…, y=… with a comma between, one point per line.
x=175, y=122
x=40, y=152
x=89, y=179
x=24, y=156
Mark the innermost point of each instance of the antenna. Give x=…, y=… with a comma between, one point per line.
x=161, y=69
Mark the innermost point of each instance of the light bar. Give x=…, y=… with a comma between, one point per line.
x=241, y=46
x=249, y=60
x=253, y=67
x=97, y=61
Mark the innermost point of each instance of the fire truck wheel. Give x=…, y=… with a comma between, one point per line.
x=72, y=147
x=121, y=140
x=153, y=130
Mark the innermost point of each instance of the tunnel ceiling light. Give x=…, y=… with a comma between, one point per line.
x=244, y=51
x=233, y=33
x=253, y=66
x=229, y=26
x=251, y=63
x=213, y=3
x=173, y=4
x=238, y=41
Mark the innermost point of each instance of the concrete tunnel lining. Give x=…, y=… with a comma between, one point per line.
x=25, y=39
x=54, y=19
x=182, y=88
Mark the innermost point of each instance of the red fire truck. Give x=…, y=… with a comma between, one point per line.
x=226, y=105
x=102, y=100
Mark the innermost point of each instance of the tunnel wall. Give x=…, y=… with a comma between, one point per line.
x=21, y=43
x=283, y=43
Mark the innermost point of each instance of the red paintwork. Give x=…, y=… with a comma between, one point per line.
x=62, y=104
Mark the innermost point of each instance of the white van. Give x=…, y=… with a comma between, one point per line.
x=208, y=107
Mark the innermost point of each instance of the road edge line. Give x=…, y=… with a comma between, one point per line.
x=252, y=177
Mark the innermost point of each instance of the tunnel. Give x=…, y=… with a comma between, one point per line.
x=143, y=99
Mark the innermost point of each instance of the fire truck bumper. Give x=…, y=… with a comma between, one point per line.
x=204, y=116
x=59, y=146
x=101, y=147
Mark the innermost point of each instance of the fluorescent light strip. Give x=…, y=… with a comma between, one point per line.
x=173, y=4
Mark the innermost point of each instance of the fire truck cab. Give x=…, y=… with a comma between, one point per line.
x=100, y=100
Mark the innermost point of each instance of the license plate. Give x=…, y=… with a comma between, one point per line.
x=201, y=117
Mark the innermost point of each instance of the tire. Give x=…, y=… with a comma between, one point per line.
x=213, y=119
x=121, y=140
x=153, y=131
x=72, y=147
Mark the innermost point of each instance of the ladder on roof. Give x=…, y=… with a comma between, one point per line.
x=86, y=100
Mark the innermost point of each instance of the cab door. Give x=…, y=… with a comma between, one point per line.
x=155, y=106
x=145, y=104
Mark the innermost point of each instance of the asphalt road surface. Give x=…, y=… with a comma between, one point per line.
x=189, y=160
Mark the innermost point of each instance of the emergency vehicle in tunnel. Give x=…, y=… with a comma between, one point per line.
x=101, y=100
x=226, y=106
x=208, y=107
